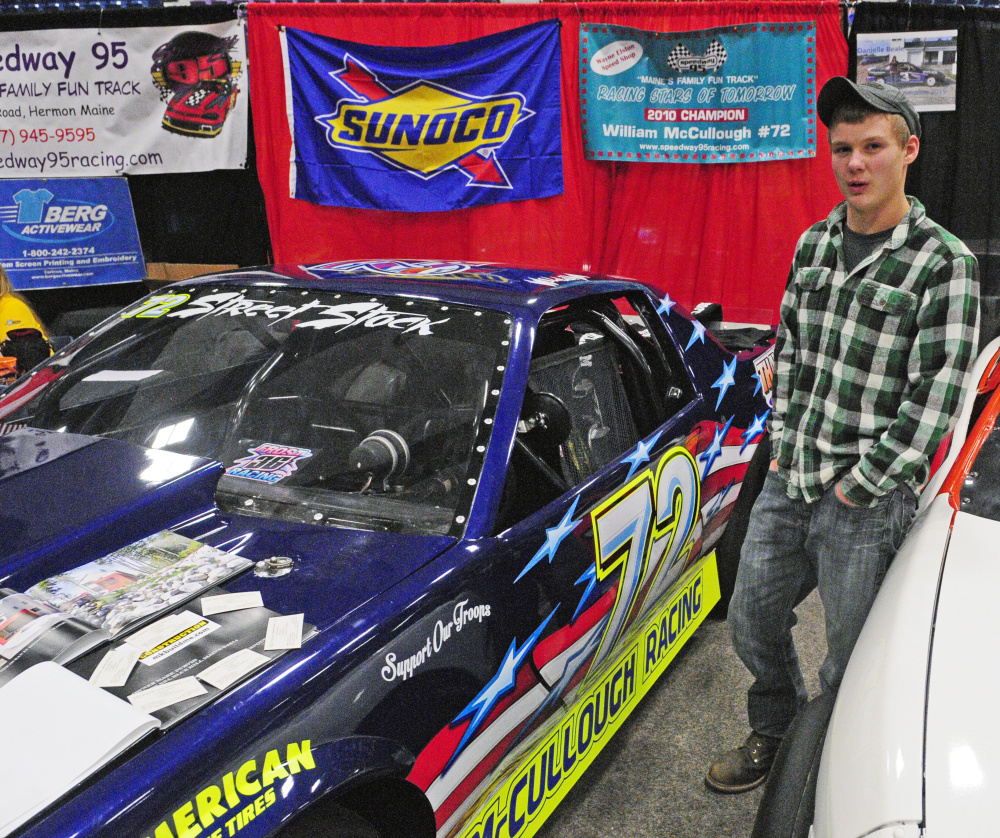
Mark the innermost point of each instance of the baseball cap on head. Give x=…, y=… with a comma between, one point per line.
x=882, y=97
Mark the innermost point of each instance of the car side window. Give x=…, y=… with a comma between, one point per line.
x=601, y=378
x=673, y=386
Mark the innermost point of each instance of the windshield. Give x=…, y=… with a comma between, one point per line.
x=325, y=407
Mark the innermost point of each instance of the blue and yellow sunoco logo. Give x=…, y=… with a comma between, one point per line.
x=424, y=128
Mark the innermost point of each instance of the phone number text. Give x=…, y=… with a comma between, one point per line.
x=10, y=136
x=58, y=251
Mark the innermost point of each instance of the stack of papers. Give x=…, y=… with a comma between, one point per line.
x=71, y=728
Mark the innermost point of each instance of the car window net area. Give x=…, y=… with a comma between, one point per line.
x=585, y=378
x=331, y=408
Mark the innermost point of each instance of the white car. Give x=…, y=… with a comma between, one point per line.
x=912, y=748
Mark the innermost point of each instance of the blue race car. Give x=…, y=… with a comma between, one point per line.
x=903, y=74
x=358, y=549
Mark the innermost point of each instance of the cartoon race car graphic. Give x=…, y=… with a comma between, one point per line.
x=470, y=514
x=197, y=78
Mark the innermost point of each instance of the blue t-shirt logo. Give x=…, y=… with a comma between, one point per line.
x=30, y=204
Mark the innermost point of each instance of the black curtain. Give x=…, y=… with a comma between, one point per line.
x=957, y=174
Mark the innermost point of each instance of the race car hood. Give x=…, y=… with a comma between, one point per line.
x=871, y=772
x=963, y=739
x=912, y=743
x=69, y=499
x=68, y=495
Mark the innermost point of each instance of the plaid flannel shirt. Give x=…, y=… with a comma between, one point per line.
x=869, y=366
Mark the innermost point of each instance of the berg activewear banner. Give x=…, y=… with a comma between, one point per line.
x=61, y=232
x=148, y=100
x=732, y=94
x=424, y=129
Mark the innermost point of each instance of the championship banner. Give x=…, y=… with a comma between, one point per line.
x=68, y=231
x=424, y=129
x=732, y=94
x=110, y=101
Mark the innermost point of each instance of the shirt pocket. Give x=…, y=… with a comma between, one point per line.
x=812, y=292
x=881, y=322
x=892, y=301
x=811, y=279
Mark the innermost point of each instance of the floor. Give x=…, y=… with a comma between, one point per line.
x=649, y=780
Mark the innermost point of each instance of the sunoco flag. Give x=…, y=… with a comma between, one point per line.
x=732, y=94
x=424, y=129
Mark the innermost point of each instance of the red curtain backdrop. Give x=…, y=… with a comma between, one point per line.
x=722, y=233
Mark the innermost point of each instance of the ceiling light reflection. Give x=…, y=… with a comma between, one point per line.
x=172, y=434
x=164, y=466
x=964, y=770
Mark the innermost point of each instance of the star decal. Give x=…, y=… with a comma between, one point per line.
x=726, y=380
x=666, y=304
x=573, y=665
x=760, y=382
x=755, y=431
x=710, y=511
x=697, y=335
x=641, y=454
x=498, y=686
x=579, y=658
x=591, y=578
x=553, y=538
x=714, y=451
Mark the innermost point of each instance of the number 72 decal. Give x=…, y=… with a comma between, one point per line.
x=645, y=531
x=158, y=306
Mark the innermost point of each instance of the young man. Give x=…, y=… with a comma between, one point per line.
x=879, y=324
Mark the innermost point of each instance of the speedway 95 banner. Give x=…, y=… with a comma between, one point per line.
x=424, y=129
x=85, y=102
x=733, y=94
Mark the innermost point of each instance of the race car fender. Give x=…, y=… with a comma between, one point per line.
x=257, y=795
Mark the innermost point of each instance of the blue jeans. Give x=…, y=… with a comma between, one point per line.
x=792, y=547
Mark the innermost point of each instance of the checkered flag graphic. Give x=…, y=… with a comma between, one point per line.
x=683, y=60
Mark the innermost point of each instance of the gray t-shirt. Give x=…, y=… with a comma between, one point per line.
x=858, y=246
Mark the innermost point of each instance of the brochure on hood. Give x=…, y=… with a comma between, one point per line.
x=62, y=617
x=32, y=631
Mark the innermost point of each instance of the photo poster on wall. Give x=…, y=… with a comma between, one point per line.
x=731, y=94
x=141, y=100
x=924, y=65
x=424, y=129
x=62, y=232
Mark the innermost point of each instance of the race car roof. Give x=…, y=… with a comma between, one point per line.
x=474, y=283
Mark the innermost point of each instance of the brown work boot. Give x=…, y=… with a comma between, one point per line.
x=744, y=768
